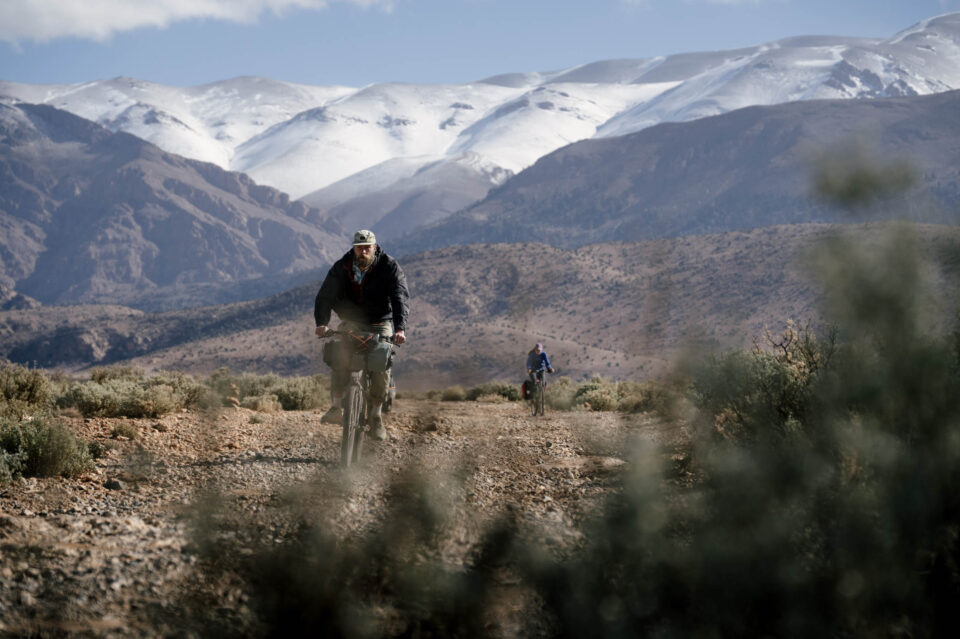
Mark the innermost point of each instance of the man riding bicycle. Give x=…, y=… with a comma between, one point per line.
x=537, y=362
x=367, y=290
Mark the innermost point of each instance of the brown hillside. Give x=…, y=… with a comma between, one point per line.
x=618, y=310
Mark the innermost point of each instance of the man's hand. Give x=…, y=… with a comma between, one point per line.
x=322, y=331
x=399, y=337
x=550, y=370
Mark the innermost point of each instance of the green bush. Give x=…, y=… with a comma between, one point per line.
x=510, y=392
x=124, y=429
x=188, y=391
x=41, y=448
x=560, y=393
x=122, y=398
x=766, y=391
x=295, y=393
x=453, y=394
x=302, y=393
x=262, y=403
x=598, y=394
x=23, y=390
x=102, y=374
x=661, y=397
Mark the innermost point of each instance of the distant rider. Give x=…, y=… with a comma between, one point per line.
x=537, y=362
x=367, y=290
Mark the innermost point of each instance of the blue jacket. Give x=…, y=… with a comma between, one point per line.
x=537, y=362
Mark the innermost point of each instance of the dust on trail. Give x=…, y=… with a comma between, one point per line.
x=77, y=557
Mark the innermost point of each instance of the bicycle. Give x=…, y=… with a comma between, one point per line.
x=361, y=353
x=538, y=392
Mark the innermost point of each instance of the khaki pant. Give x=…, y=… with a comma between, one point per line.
x=379, y=382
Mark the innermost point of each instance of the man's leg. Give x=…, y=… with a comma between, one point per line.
x=379, y=383
x=338, y=382
x=378, y=393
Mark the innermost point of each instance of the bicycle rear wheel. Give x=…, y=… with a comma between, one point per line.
x=352, y=437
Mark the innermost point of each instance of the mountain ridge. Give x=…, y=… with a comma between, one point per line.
x=301, y=139
x=752, y=167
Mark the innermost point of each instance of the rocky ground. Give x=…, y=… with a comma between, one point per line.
x=117, y=552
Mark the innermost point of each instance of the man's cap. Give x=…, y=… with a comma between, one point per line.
x=363, y=237
x=539, y=345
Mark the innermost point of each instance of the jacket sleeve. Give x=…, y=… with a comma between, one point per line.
x=326, y=297
x=546, y=360
x=399, y=298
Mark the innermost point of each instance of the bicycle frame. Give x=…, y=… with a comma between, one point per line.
x=354, y=421
x=356, y=394
x=538, y=392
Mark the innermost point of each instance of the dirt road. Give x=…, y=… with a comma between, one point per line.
x=114, y=553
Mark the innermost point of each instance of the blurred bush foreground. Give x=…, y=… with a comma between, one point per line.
x=819, y=496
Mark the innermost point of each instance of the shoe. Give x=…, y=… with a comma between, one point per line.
x=376, y=431
x=332, y=416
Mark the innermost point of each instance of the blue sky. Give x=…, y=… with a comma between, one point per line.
x=359, y=42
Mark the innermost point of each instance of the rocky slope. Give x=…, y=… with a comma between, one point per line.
x=88, y=215
x=623, y=310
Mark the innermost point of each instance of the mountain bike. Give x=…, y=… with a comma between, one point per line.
x=358, y=349
x=538, y=392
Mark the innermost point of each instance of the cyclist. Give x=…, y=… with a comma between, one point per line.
x=537, y=362
x=367, y=290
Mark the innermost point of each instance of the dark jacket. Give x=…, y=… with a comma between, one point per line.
x=381, y=296
x=538, y=362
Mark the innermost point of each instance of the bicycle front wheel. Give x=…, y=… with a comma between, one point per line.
x=541, y=397
x=352, y=437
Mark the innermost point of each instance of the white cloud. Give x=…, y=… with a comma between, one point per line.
x=44, y=20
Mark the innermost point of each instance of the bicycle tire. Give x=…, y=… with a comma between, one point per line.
x=352, y=412
x=541, y=397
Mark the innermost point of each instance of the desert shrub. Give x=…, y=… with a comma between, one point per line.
x=295, y=393
x=560, y=393
x=659, y=396
x=124, y=429
x=98, y=449
x=122, y=398
x=10, y=465
x=262, y=403
x=302, y=393
x=597, y=394
x=770, y=388
x=229, y=384
x=23, y=390
x=41, y=448
x=102, y=374
x=453, y=394
x=510, y=392
x=188, y=391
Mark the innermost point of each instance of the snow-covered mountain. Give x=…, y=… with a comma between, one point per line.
x=358, y=150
